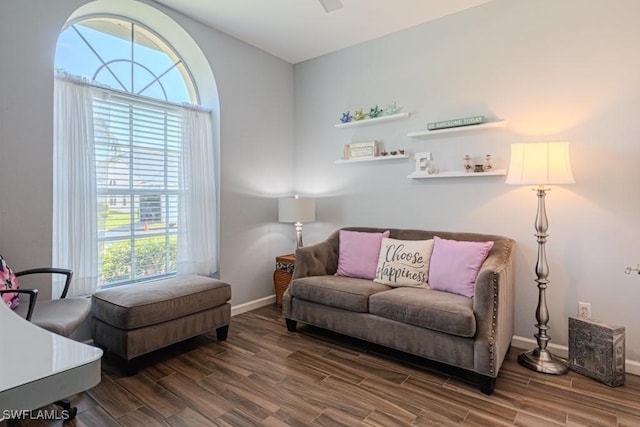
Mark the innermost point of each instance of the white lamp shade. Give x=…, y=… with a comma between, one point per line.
x=540, y=163
x=296, y=209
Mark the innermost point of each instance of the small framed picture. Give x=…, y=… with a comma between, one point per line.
x=363, y=149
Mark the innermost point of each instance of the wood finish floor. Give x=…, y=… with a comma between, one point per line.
x=264, y=375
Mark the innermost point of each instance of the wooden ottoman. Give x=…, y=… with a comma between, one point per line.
x=137, y=319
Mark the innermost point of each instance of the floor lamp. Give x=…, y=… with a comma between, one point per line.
x=541, y=164
x=298, y=210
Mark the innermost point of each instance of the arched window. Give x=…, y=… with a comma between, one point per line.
x=143, y=103
x=125, y=56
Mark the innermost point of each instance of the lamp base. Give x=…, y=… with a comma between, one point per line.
x=543, y=361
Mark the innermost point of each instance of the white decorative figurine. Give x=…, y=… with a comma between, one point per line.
x=422, y=159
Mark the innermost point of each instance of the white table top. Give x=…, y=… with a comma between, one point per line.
x=38, y=367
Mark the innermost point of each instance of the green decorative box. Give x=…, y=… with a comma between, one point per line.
x=597, y=350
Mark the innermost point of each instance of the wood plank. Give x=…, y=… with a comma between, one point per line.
x=189, y=366
x=370, y=400
x=208, y=404
x=143, y=416
x=95, y=417
x=114, y=399
x=152, y=395
x=327, y=366
x=189, y=418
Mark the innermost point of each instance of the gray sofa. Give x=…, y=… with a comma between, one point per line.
x=472, y=334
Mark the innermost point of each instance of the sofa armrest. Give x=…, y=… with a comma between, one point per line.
x=493, y=306
x=320, y=259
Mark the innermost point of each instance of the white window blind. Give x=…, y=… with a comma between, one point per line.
x=138, y=146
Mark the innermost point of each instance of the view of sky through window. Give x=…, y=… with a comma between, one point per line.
x=101, y=50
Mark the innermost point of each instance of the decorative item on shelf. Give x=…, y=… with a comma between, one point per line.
x=466, y=121
x=297, y=209
x=374, y=112
x=346, y=117
x=346, y=152
x=541, y=164
x=401, y=150
x=421, y=160
x=629, y=270
x=391, y=109
x=467, y=163
x=488, y=165
x=363, y=149
x=429, y=133
x=394, y=153
x=384, y=153
x=424, y=163
x=478, y=168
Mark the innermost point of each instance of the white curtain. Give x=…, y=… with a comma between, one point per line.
x=75, y=218
x=198, y=211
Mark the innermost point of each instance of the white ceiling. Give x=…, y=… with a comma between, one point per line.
x=297, y=30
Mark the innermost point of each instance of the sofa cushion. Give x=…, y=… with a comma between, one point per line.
x=404, y=262
x=427, y=308
x=348, y=293
x=455, y=265
x=358, y=253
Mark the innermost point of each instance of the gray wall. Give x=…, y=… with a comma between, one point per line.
x=554, y=70
x=256, y=110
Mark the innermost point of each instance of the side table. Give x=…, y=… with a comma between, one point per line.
x=282, y=276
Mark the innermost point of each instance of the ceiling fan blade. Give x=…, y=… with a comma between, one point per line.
x=331, y=5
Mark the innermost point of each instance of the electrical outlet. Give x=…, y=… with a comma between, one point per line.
x=584, y=310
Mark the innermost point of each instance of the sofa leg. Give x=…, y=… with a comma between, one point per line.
x=222, y=332
x=291, y=325
x=487, y=385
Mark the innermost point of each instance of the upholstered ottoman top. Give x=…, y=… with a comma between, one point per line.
x=144, y=304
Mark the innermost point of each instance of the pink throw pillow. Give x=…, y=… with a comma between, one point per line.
x=455, y=265
x=358, y=253
x=8, y=281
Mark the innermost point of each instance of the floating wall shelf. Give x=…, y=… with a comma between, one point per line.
x=471, y=128
x=372, y=159
x=457, y=174
x=363, y=122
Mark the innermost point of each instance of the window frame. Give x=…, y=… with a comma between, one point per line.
x=192, y=85
x=132, y=98
x=134, y=194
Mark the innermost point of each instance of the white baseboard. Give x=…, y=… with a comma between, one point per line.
x=631, y=366
x=252, y=305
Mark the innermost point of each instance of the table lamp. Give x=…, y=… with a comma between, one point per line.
x=541, y=164
x=297, y=210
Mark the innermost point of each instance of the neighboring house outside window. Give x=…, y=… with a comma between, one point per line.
x=139, y=84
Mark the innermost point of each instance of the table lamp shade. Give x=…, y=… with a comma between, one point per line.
x=540, y=163
x=296, y=209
